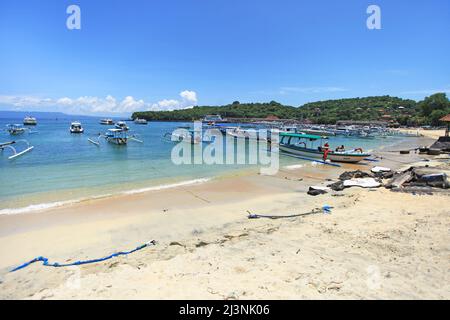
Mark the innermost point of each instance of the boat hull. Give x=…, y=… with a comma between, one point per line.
x=16, y=132
x=117, y=141
x=316, y=154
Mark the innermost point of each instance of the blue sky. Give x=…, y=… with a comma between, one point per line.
x=136, y=54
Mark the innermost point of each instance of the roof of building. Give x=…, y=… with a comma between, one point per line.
x=445, y=118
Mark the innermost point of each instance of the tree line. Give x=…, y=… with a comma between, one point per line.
x=387, y=108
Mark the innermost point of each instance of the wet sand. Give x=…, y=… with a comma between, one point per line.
x=374, y=244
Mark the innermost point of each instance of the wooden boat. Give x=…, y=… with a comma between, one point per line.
x=115, y=136
x=297, y=143
x=15, y=129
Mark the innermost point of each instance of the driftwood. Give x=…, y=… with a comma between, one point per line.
x=398, y=180
x=421, y=179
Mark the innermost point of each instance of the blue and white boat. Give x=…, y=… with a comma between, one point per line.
x=305, y=145
x=15, y=129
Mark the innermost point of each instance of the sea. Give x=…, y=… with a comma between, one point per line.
x=66, y=168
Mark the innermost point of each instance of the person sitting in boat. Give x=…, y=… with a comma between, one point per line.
x=340, y=149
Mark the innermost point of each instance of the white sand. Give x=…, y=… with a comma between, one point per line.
x=374, y=244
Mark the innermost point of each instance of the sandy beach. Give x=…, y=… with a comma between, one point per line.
x=375, y=244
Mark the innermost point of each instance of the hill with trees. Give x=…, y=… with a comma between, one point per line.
x=378, y=108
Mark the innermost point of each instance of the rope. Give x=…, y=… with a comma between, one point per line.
x=326, y=209
x=77, y=263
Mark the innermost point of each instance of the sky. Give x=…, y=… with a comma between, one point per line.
x=172, y=54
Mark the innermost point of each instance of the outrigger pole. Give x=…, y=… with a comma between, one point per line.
x=16, y=154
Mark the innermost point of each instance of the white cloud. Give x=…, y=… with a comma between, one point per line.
x=96, y=105
x=188, y=100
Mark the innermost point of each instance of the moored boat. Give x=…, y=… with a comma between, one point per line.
x=297, y=144
x=75, y=127
x=122, y=126
x=140, y=121
x=107, y=122
x=116, y=136
x=15, y=129
x=29, y=121
x=248, y=134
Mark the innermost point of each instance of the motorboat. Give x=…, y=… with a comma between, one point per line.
x=75, y=127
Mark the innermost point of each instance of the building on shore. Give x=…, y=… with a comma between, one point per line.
x=362, y=123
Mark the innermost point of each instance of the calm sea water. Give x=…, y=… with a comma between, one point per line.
x=64, y=167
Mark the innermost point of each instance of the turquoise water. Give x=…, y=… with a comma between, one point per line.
x=64, y=166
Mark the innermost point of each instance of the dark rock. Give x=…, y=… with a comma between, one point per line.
x=315, y=192
x=337, y=186
x=355, y=174
x=438, y=180
x=384, y=175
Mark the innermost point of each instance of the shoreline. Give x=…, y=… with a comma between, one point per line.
x=188, y=224
x=139, y=187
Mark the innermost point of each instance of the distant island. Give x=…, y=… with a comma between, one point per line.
x=393, y=110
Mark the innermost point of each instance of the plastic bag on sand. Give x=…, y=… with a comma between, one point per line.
x=380, y=169
x=362, y=182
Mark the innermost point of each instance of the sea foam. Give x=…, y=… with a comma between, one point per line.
x=51, y=205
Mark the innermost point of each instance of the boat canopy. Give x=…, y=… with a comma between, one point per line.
x=301, y=136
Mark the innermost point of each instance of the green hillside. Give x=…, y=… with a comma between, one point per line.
x=380, y=108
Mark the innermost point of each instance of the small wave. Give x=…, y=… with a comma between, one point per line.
x=51, y=205
x=168, y=186
x=36, y=207
x=294, y=167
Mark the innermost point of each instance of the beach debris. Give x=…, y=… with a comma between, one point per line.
x=362, y=182
x=380, y=169
x=176, y=243
x=337, y=186
x=423, y=150
x=77, y=263
x=325, y=209
x=441, y=145
x=399, y=179
x=382, y=172
x=318, y=190
x=348, y=175
x=420, y=179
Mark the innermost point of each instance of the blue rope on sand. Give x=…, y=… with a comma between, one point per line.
x=77, y=263
x=326, y=209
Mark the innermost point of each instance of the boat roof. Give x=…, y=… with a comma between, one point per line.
x=302, y=136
